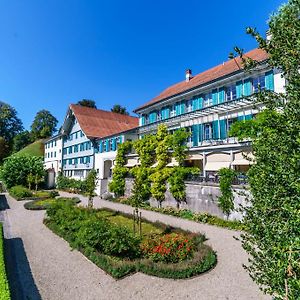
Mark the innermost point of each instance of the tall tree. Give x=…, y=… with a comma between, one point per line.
x=87, y=103
x=272, y=238
x=4, y=149
x=10, y=124
x=44, y=125
x=117, y=108
x=21, y=140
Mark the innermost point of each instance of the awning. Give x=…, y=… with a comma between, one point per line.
x=242, y=162
x=216, y=165
x=131, y=163
x=194, y=157
x=173, y=163
x=154, y=165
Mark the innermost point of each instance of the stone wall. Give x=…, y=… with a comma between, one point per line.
x=201, y=197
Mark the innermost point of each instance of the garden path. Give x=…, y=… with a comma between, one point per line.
x=59, y=273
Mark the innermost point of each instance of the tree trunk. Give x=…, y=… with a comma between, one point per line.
x=90, y=202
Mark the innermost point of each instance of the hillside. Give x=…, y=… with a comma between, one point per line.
x=34, y=149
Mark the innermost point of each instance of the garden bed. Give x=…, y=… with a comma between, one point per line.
x=45, y=203
x=4, y=288
x=21, y=193
x=108, y=239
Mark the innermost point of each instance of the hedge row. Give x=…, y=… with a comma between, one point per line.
x=4, y=288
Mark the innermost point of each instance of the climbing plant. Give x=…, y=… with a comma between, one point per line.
x=273, y=220
x=179, y=146
x=117, y=185
x=225, y=200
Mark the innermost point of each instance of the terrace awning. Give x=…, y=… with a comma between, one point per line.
x=194, y=157
x=216, y=165
x=131, y=163
x=173, y=163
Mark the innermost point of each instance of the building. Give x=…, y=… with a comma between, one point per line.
x=207, y=105
x=85, y=130
x=53, y=158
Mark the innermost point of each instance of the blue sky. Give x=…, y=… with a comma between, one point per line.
x=54, y=53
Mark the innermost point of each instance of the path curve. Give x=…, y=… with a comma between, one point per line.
x=60, y=273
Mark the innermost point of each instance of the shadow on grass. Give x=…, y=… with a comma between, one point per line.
x=3, y=203
x=21, y=282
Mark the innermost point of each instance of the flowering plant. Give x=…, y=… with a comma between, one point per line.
x=170, y=248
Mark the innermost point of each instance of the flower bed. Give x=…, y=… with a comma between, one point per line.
x=45, y=203
x=4, y=288
x=21, y=193
x=108, y=240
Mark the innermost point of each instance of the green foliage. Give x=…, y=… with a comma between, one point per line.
x=87, y=103
x=115, y=249
x=272, y=220
x=163, y=139
x=21, y=140
x=34, y=149
x=117, y=185
x=4, y=288
x=20, y=192
x=159, y=186
x=145, y=148
x=70, y=184
x=90, y=186
x=117, y=108
x=16, y=169
x=170, y=248
x=141, y=191
x=4, y=149
x=179, y=146
x=10, y=124
x=225, y=201
x=43, y=125
x=44, y=204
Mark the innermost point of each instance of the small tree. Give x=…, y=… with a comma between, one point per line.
x=30, y=180
x=179, y=146
x=226, y=200
x=117, y=108
x=90, y=186
x=87, y=103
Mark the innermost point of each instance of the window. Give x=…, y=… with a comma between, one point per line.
x=81, y=133
x=208, y=131
x=70, y=150
x=51, y=154
x=81, y=160
x=70, y=161
x=88, y=160
x=76, y=135
x=75, y=148
x=230, y=93
x=208, y=99
x=75, y=161
x=55, y=143
x=259, y=83
x=54, y=153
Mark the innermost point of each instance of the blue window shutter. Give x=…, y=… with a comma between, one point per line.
x=247, y=87
x=195, y=134
x=182, y=107
x=200, y=133
x=106, y=145
x=114, y=144
x=101, y=147
x=223, y=133
x=269, y=80
x=163, y=113
x=215, y=97
x=195, y=103
x=200, y=101
x=221, y=95
x=177, y=109
x=167, y=112
x=215, y=129
x=239, y=89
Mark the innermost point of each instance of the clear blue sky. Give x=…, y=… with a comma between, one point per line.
x=53, y=53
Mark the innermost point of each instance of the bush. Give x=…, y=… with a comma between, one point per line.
x=4, y=289
x=70, y=184
x=115, y=249
x=44, y=204
x=20, y=192
x=170, y=248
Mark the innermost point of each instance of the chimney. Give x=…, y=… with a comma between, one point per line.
x=188, y=75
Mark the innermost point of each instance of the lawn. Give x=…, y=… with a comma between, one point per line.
x=34, y=149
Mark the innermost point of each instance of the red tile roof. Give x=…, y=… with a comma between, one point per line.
x=230, y=66
x=97, y=123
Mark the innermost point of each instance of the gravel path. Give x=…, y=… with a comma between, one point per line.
x=58, y=273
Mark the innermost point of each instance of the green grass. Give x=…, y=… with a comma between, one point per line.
x=4, y=289
x=118, y=219
x=45, y=203
x=34, y=149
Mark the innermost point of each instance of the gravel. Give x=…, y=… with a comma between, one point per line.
x=57, y=272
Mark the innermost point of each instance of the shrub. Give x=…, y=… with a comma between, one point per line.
x=70, y=184
x=4, y=289
x=20, y=192
x=170, y=248
x=44, y=204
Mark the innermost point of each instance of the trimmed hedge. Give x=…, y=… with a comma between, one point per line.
x=67, y=221
x=45, y=203
x=4, y=288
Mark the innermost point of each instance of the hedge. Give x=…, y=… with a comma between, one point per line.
x=4, y=288
x=21, y=193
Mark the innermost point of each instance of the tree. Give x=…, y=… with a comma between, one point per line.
x=10, y=124
x=179, y=139
x=226, y=200
x=117, y=108
x=272, y=220
x=21, y=140
x=4, y=149
x=44, y=125
x=90, y=185
x=87, y=103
